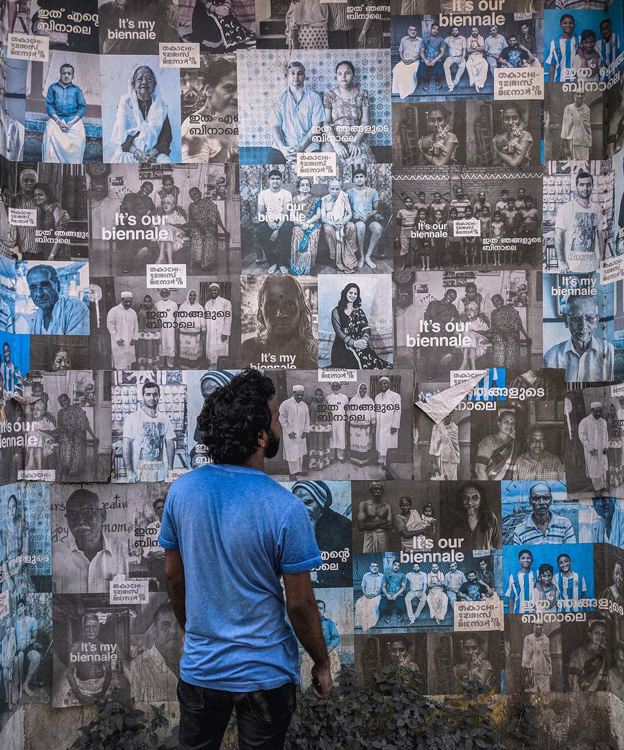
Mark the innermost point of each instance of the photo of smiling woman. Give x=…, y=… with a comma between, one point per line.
x=51, y=216
x=352, y=348
x=497, y=453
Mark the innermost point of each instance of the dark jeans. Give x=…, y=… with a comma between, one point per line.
x=386, y=607
x=425, y=72
x=262, y=717
x=278, y=252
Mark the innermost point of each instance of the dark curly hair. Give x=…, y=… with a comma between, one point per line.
x=234, y=415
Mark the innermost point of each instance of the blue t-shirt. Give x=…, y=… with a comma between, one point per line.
x=237, y=531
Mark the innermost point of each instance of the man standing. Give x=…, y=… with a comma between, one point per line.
x=562, y=52
x=375, y=520
x=332, y=641
x=11, y=375
x=431, y=55
x=417, y=581
x=148, y=440
x=494, y=44
x=167, y=309
x=576, y=128
x=536, y=660
x=242, y=656
x=57, y=314
x=579, y=230
x=25, y=198
x=481, y=203
x=393, y=588
x=537, y=462
x=64, y=138
x=154, y=672
x=456, y=46
x=218, y=320
x=123, y=326
x=88, y=560
x=453, y=581
x=137, y=205
x=388, y=414
x=274, y=230
x=584, y=358
x=542, y=526
x=444, y=449
x=367, y=606
x=295, y=420
x=443, y=311
x=27, y=656
x=608, y=46
x=338, y=403
x=364, y=204
x=296, y=117
x=594, y=436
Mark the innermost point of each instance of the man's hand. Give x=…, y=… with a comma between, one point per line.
x=322, y=683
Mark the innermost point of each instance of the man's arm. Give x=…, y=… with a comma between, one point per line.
x=176, y=586
x=127, y=454
x=170, y=446
x=303, y=614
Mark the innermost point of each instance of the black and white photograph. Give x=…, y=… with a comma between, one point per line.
x=329, y=508
x=313, y=24
x=149, y=426
x=71, y=28
x=146, y=557
x=91, y=647
x=450, y=218
x=343, y=429
x=141, y=125
x=155, y=648
x=52, y=297
x=501, y=134
x=538, y=513
x=325, y=102
x=143, y=328
x=136, y=27
x=588, y=663
x=13, y=111
x=593, y=446
x=456, y=7
x=26, y=654
x=442, y=449
x=464, y=321
x=534, y=660
x=573, y=124
x=335, y=608
x=52, y=201
x=70, y=418
x=222, y=26
x=316, y=225
x=279, y=322
x=455, y=660
x=356, y=326
x=413, y=518
x=185, y=216
x=92, y=536
x=63, y=110
x=210, y=110
x=578, y=327
x=578, y=215
x=373, y=653
x=434, y=60
x=59, y=353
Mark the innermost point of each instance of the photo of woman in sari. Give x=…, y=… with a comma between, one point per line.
x=497, y=453
x=72, y=428
x=216, y=28
x=191, y=314
x=361, y=432
x=352, y=349
x=347, y=113
x=51, y=216
x=306, y=218
x=319, y=436
x=588, y=669
x=142, y=130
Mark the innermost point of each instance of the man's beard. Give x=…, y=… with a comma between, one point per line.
x=273, y=445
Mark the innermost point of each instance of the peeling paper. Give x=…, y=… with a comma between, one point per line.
x=442, y=404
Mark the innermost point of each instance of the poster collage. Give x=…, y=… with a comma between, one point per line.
x=184, y=187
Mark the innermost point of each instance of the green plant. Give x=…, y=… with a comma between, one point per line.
x=522, y=727
x=120, y=726
x=393, y=714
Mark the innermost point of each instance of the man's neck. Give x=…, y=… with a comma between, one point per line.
x=92, y=552
x=297, y=92
x=150, y=411
x=581, y=347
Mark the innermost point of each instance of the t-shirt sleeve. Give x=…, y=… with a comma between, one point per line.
x=168, y=537
x=296, y=546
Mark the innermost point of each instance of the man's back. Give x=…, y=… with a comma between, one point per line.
x=237, y=530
